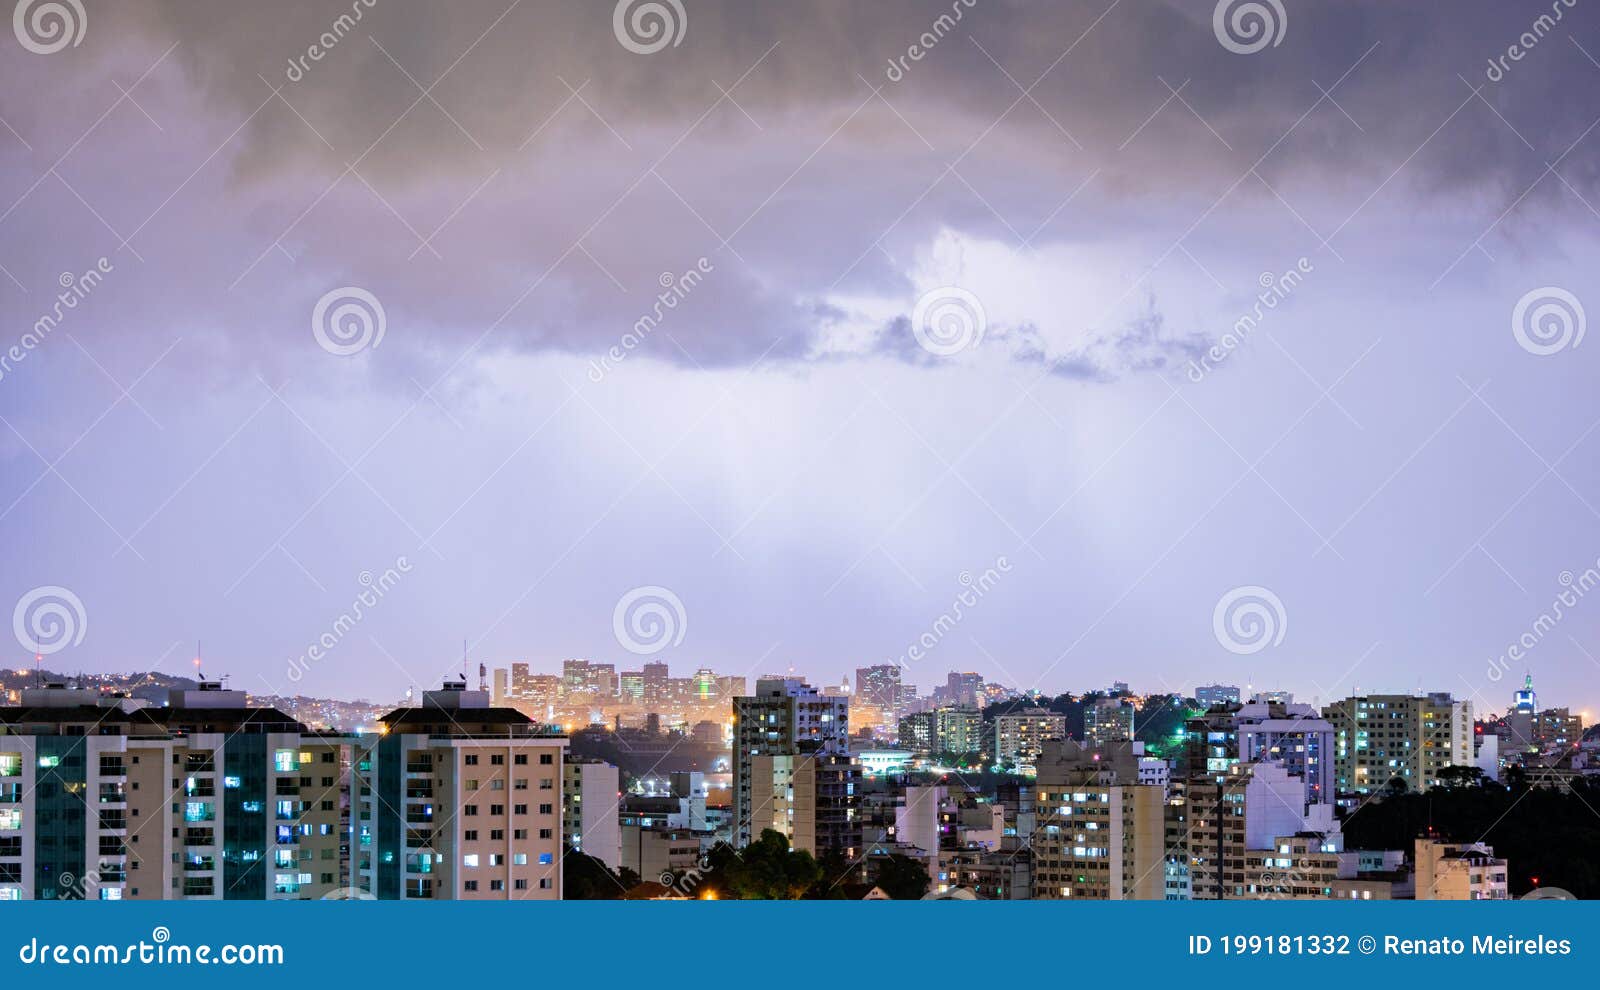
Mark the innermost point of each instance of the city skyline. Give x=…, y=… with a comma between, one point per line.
x=1091, y=341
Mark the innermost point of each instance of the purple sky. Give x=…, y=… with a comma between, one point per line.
x=1108, y=181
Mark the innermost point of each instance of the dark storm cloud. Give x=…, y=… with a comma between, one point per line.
x=568, y=173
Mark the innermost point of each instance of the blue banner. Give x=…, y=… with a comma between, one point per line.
x=779, y=943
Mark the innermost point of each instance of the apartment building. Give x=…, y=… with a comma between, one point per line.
x=1099, y=833
x=204, y=799
x=1448, y=871
x=812, y=800
x=1389, y=737
x=785, y=717
x=1019, y=737
x=459, y=800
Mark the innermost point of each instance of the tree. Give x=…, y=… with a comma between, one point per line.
x=767, y=870
x=1454, y=776
x=589, y=879
x=903, y=878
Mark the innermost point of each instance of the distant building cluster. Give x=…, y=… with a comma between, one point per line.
x=974, y=790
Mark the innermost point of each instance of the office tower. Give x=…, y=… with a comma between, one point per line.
x=591, y=792
x=731, y=686
x=1459, y=872
x=460, y=801
x=206, y=799
x=1106, y=721
x=574, y=677
x=1019, y=737
x=521, y=680
x=1212, y=695
x=656, y=689
x=602, y=681
x=879, y=686
x=785, y=717
x=1100, y=833
x=961, y=690
x=1379, y=738
x=630, y=687
x=705, y=685
x=1294, y=735
x=812, y=800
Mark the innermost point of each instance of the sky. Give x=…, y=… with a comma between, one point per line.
x=1066, y=342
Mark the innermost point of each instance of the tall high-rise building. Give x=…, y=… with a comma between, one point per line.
x=1100, y=833
x=785, y=717
x=205, y=799
x=879, y=686
x=460, y=801
x=656, y=688
x=1384, y=737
